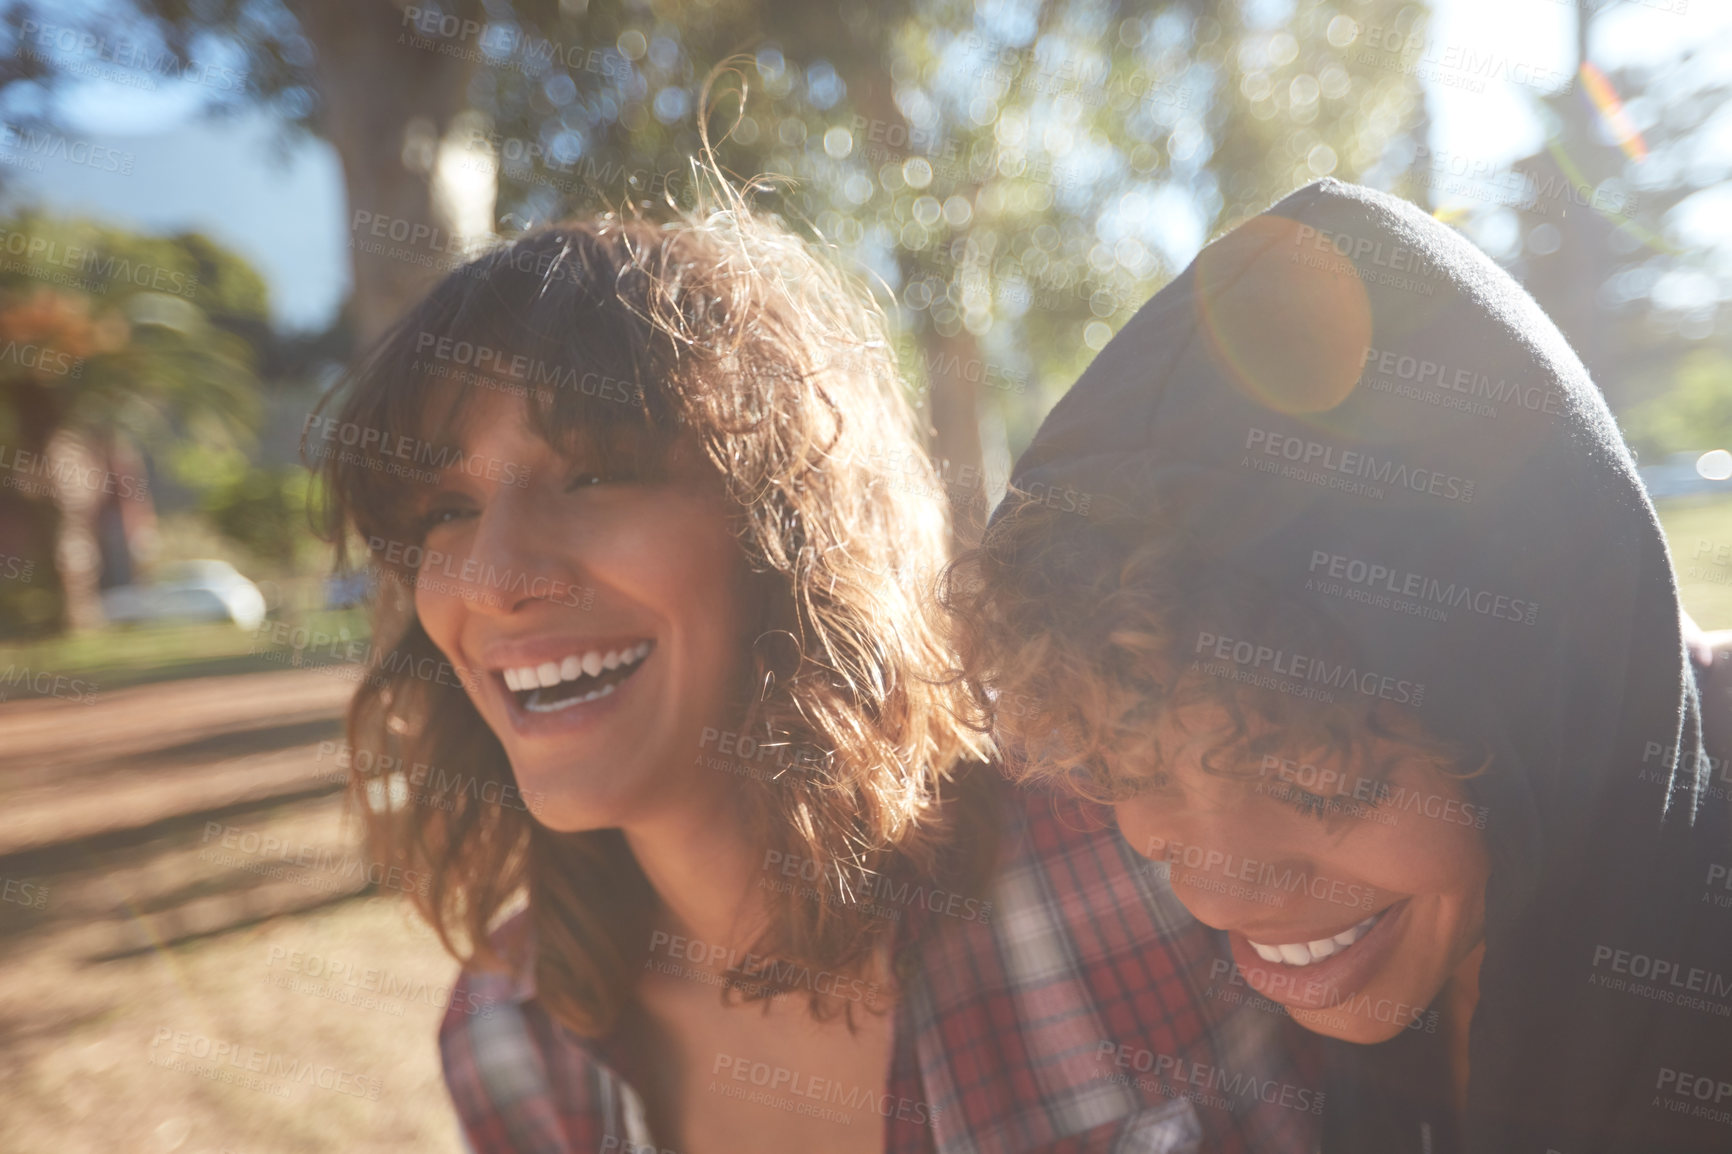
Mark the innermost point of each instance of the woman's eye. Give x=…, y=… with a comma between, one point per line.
x=1324, y=808
x=443, y=515
x=1134, y=786
x=583, y=481
x=1306, y=803
x=1309, y=804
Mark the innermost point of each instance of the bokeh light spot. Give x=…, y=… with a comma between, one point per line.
x=1715, y=465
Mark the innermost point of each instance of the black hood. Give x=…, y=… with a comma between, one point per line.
x=1344, y=402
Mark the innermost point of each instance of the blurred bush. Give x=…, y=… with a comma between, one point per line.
x=117, y=347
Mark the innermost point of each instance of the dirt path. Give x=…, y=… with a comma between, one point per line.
x=174, y=976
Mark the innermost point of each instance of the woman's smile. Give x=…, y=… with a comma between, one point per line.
x=1308, y=950
x=1325, y=971
x=560, y=675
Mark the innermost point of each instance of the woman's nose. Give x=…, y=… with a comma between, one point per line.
x=513, y=557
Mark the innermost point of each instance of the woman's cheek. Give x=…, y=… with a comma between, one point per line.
x=1424, y=852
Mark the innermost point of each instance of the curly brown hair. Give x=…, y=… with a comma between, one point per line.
x=718, y=327
x=1072, y=632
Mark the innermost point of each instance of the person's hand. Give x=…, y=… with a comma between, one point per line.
x=1711, y=654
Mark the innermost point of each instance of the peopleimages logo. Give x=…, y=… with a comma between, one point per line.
x=151, y=62
x=1469, y=383
x=90, y=264
x=1380, y=796
x=1718, y=876
x=430, y=785
x=31, y=895
x=1662, y=980
x=755, y=973
x=804, y=1092
x=1700, y=764
x=532, y=372
x=939, y=365
x=341, y=869
x=1367, y=581
x=46, y=683
x=1205, y=1077
x=782, y=754
x=42, y=359
x=473, y=579
x=366, y=443
x=375, y=664
x=348, y=982
x=219, y=1051
x=855, y=886
x=1325, y=1004
x=1473, y=176
x=1308, y=671
x=1367, y=250
x=1346, y=469
x=40, y=474
x=1261, y=875
x=1464, y=66
x=505, y=43
x=53, y=146
x=1698, y=1095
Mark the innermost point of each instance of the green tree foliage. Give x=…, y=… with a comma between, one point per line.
x=262, y=509
x=122, y=341
x=1692, y=412
x=1019, y=177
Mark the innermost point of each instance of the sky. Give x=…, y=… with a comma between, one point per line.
x=282, y=206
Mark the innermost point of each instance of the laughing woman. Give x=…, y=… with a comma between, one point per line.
x=1371, y=637
x=643, y=532
x=656, y=646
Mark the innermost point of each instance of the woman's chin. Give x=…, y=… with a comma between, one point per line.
x=1345, y=1027
x=562, y=801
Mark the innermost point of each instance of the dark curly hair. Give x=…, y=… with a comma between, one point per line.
x=1076, y=633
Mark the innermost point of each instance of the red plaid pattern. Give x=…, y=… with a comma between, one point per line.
x=1087, y=1013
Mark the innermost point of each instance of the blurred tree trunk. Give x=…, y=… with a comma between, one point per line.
x=953, y=403
x=38, y=412
x=1566, y=252
x=72, y=460
x=392, y=105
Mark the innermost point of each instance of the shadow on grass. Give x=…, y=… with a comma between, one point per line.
x=228, y=927
x=77, y=853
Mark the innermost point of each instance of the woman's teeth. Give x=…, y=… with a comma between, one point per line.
x=536, y=705
x=614, y=665
x=1308, y=953
x=551, y=673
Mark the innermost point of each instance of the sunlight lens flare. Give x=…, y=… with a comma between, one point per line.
x=1285, y=313
x=1610, y=108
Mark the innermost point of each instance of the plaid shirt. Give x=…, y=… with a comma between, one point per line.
x=1088, y=1012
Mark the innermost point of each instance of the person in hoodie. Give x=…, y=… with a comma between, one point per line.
x=1332, y=574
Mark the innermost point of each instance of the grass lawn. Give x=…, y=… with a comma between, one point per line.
x=1699, y=530
x=118, y=656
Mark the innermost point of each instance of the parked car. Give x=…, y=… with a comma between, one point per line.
x=1687, y=474
x=189, y=591
x=346, y=590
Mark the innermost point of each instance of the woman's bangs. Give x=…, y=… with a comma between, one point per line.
x=573, y=359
